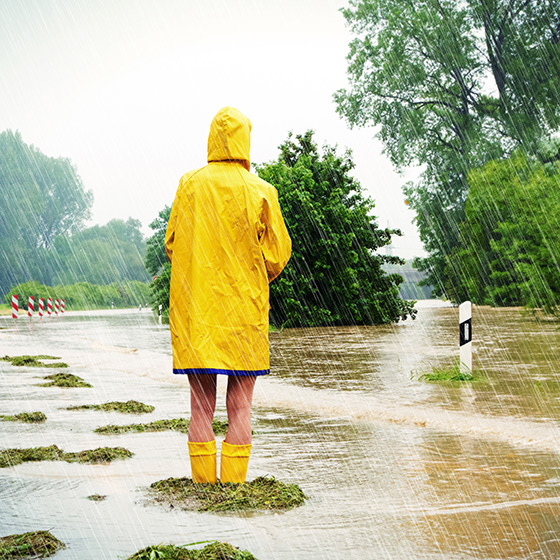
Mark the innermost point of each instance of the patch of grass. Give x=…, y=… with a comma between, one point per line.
x=447, y=373
x=97, y=497
x=99, y=455
x=263, y=493
x=11, y=457
x=34, y=361
x=64, y=380
x=36, y=544
x=212, y=551
x=173, y=424
x=30, y=417
x=128, y=407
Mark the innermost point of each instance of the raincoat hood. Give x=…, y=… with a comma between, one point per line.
x=230, y=137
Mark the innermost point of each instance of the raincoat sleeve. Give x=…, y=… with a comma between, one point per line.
x=276, y=244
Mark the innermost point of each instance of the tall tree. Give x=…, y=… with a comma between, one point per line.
x=510, y=249
x=334, y=275
x=101, y=254
x=452, y=85
x=41, y=198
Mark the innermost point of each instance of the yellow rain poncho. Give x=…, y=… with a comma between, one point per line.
x=226, y=240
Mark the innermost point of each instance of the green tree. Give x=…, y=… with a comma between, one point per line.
x=101, y=254
x=157, y=263
x=41, y=198
x=334, y=276
x=155, y=245
x=510, y=248
x=423, y=71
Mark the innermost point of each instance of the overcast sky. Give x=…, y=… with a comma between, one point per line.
x=127, y=88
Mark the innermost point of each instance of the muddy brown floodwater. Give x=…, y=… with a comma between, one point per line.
x=395, y=468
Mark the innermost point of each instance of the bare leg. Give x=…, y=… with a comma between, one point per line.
x=203, y=404
x=238, y=403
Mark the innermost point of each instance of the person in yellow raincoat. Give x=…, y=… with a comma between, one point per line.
x=226, y=240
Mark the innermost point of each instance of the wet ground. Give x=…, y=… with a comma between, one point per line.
x=395, y=468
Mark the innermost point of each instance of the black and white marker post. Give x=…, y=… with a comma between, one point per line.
x=159, y=313
x=465, y=337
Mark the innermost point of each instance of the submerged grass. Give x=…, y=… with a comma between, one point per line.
x=263, y=493
x=97, y=497
x=212, y=551
x=128, y=407
x=34, y=361
x=64, y=380
x=173, y=424
x=30, y=417
x=450, y=372
x=36, y=544
x=11, y=457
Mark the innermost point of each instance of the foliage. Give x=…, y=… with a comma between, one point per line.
x=96, y=497
x=28, y=417
x=129, y=407
x=11, y=457
x=42, y=236
x=36, y=544
x=510, y=237
x=101, y=254
x=262, y=493
x=174, y=424
x=159, y=291
x=64, y=380
x=84, y=295
x=34, y=361
x=41, y=198
x=420, y=71
x=212, y=551
x=451, y=372
x=157, y=263
x=334, y=276
x=155, y=246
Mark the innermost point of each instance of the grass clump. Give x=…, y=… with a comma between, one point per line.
x=99, y=455
x=64, y=380
x=11, y=457
x=36, y=544
x=173, y=424
x=97, y=497
x=128, y=407
x=34, y=361
x=447, y=373
x=212, y=551
x=29, y=417
x=263, y=493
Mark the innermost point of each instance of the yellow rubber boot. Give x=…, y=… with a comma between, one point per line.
x=234, y=462
x=203, y=461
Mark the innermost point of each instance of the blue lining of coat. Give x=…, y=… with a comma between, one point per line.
x=247, y=372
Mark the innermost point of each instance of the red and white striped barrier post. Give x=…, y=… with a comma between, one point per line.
x=30, y=306
x=15, y=307
x=62, y=304
x=56, y=306
x=41, y=307
x=49, y=306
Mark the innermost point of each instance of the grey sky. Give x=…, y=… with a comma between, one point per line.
x=127, y=89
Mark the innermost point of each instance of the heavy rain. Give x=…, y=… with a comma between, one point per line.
x=412, y=410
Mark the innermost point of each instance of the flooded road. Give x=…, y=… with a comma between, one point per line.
x=394, y=467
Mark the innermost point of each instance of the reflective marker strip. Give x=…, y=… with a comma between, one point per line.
x=465, y=332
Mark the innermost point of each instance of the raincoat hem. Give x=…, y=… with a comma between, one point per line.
x=235, y=372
